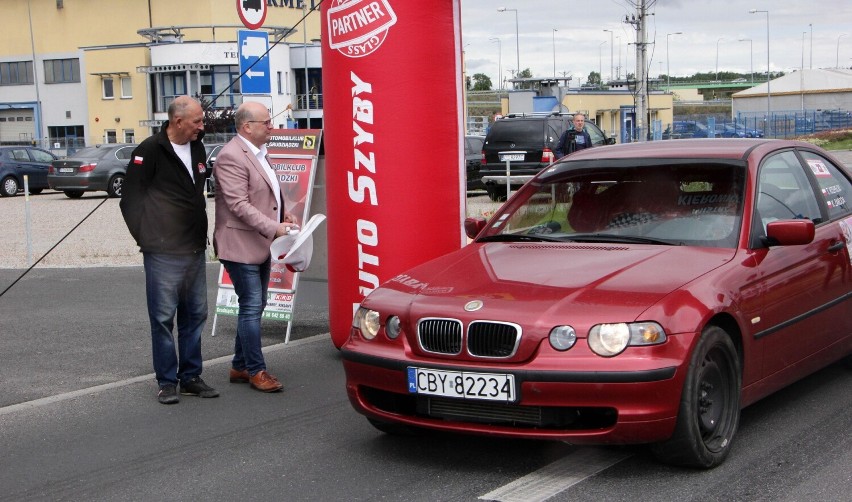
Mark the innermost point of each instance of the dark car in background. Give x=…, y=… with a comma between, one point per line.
x=528, y=142
x=212, y=149
x=18, y=161
x=472, y=160
x=92, y=169
x=686, y=129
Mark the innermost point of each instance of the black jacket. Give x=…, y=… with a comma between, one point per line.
x=568, y=144
x=163, y=209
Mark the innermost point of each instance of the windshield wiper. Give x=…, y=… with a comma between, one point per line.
x=620, y=238
x=519, y=238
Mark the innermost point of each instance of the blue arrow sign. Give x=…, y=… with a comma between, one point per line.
x=254, y=62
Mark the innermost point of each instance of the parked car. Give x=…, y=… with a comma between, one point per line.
x=92, y=169
x=641, y=293
x=472, y=159
x=736, y=131
x=212, y=151
x=528, y=142
x=686, y=129
x=18, y=161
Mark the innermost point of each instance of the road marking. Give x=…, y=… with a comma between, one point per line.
x=37, y=403
x=558, y=476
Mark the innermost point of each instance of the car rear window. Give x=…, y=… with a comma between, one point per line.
x=517, y=131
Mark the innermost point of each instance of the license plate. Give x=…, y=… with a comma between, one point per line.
x=512, y=157
x=66, y=169
x=462, y=384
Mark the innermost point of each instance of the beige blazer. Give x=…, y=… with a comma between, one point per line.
x=247, y=214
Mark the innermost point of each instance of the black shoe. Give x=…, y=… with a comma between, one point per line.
x=195, y=386
x=168, y=394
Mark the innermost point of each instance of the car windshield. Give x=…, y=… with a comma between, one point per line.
x=694, y=204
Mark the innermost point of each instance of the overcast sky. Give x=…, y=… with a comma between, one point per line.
x=582, y=46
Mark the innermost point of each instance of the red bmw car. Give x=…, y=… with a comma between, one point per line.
x=640, y=293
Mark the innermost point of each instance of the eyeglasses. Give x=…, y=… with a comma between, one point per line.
x=265, y=122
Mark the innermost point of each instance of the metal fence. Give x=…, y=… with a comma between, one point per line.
x=781, y=124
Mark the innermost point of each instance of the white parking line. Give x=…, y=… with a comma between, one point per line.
x=36, y=403
x=558, y=476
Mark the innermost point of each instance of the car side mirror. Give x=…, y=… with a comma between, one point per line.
x=610, y=141
x=790, y=232
x=472, y=226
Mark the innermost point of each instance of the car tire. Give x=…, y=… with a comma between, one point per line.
x=495, y=194
x=73, y=194
x=394, y=429
x=709, y=410
x=114, y=185
x=9, y=187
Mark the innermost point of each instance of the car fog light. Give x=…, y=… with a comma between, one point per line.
x=392, y=328
x=609, y=339
x=563, y=337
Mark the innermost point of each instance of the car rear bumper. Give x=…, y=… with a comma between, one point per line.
x=514, y=180
x=85, y=183
x=624, y=407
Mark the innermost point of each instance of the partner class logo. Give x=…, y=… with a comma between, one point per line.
x=358, y=27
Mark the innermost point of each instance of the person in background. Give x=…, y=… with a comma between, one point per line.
x=575, y=138
x=249, y=216
x=164, y=207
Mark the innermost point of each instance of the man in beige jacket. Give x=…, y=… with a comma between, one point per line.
x=249, y=216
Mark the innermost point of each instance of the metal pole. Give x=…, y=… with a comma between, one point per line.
x=668, y=73
x=837, y=60
x=554, y=53
x=499, y=61
x=751, y=56
x=27, y=220
x=307, y=81
x=768, y=77
x=717, y=58
x=611, y=50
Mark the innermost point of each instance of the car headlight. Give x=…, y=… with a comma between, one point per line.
x=611, y=339
x=562, y=337
x=367, y=321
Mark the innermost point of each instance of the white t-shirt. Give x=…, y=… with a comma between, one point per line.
x=185, y=153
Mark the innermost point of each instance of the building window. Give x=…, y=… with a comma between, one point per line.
x=126, y=88
x=16, y=73
x=109, y=136
x=59, y=71
x=108, y=87
x=129, y=136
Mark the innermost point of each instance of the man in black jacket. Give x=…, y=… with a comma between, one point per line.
x=575, y=138
x=164, y=207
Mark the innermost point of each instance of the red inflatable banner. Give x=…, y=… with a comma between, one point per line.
x=393, y=127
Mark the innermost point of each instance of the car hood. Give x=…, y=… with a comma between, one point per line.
x=537, y=281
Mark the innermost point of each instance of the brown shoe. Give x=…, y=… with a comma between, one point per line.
x=265, y=382
x=239, y=376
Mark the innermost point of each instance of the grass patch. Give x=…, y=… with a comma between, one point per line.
x=831, y=140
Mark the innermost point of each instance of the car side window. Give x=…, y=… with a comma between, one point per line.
x=20, y=154
x=835, y=186
x=552, y=135
x=596, y=134
x=124, y=153
x=784, y=191
x=41, y=156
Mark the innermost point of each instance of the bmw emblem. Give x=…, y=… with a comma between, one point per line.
x=473, y=305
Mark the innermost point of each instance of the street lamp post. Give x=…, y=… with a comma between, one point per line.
x=668, y=73
x=751, y=56
x=499, y=61
x=600, y=67
x=717, y=58
x=517, y=37
x=554, y=53
x=611, y=49
x=768, y=94
x=837, y=57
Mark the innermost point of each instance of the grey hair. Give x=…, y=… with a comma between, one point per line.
x=178, y=106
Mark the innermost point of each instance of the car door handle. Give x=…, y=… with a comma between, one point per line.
x=835, y=247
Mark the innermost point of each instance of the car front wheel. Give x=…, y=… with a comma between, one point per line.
x=9, y=187
x=115, y=184
x=709, y=405
x=73, y=194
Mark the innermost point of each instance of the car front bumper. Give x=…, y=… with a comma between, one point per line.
x=581, y=407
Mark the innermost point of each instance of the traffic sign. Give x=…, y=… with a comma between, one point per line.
x=252, y=13
x=254, y=62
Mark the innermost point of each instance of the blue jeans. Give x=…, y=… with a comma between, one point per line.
x=176, y=285
x=250, y=283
